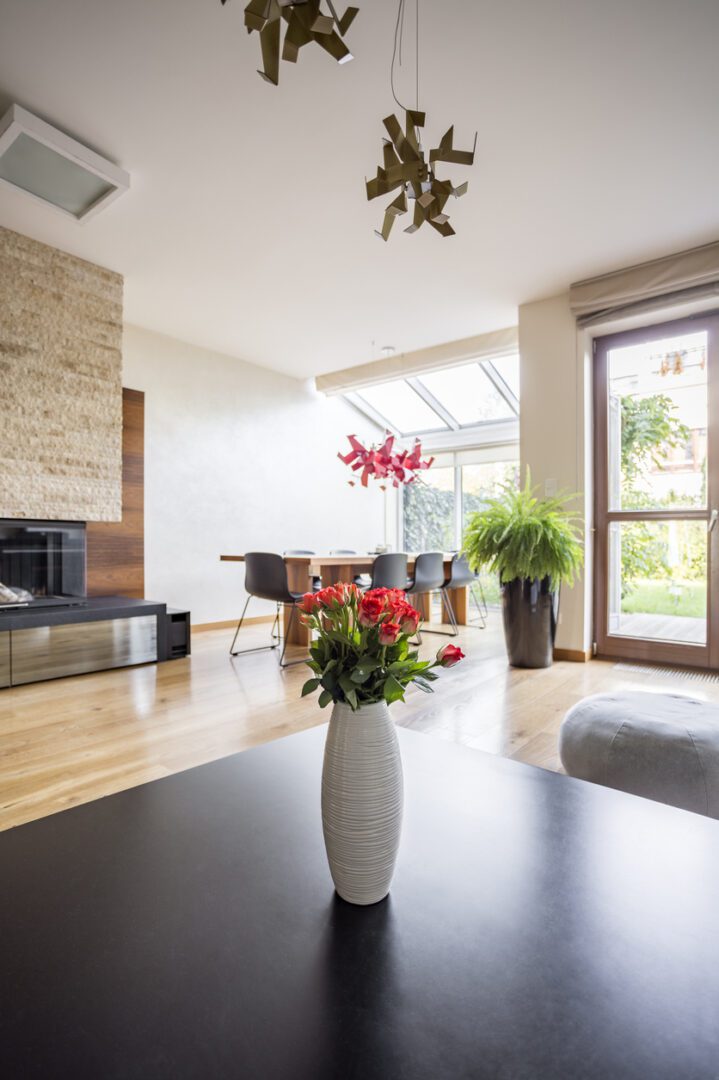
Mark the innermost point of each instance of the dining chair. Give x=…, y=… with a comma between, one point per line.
x=389, y=571
x=266, y=579
x=428, y=577
x=460, y=577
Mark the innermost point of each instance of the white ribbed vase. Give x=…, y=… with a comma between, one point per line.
x=362, y=796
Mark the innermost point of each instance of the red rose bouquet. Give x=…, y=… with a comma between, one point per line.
x=362, y=653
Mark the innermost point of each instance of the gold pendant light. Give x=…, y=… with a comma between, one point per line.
x=306, y=22
x=406, y=167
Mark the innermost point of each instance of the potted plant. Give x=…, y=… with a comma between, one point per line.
x=362, y=661
x=533, y=545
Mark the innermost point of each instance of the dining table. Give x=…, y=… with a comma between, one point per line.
x=302, y=569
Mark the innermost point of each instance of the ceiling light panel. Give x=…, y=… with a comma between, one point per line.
x=57, y=170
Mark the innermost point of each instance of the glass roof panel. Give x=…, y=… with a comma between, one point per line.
x=468, y=394
x=402, y=406
x=508, y=368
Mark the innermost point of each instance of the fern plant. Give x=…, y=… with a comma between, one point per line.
x=519, y=535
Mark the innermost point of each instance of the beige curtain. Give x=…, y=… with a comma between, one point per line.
x=688, y=274
x=483, y=347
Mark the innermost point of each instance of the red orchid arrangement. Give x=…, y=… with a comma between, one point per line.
x=384, y=462
x=362, y=654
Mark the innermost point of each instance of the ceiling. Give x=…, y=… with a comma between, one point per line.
x=246, y=229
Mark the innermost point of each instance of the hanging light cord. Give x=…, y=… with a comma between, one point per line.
x=397, y=51
x=416, y=53
x=397, y=42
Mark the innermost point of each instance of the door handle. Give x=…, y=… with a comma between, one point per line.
x=712, y=520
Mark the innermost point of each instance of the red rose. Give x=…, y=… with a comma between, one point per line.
x=389, y=632
x=309, y=603
x=331, y=597
x=408, y=620
x=371, y=610
x=450, y=655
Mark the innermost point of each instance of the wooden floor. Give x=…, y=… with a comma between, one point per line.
x=76, y=739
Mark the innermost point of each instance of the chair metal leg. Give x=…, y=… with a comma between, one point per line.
x=290, y=663
x=478, y=605
x=483, y=598
x=258, y=648
x=275, y=632
x=447, y=604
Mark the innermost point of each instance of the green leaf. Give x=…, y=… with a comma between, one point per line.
x=518, y=535
x=324, y=699
x=393, y=690
x=310, y=687
x=345, y=681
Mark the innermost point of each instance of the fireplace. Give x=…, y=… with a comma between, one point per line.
x=44, y=558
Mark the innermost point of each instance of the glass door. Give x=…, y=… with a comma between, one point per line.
x=656, y=493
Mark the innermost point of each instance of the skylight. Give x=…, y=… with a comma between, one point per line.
x=450, y=399
x=468, y=394
x=402, y=407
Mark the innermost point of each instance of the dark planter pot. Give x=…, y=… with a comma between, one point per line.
x=530, y=611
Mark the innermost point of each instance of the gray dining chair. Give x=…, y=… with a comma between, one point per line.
x=428, y=578
x=461, y=577
x=389, y=571
x=266, y=579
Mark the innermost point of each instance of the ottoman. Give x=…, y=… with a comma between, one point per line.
x=660, y=746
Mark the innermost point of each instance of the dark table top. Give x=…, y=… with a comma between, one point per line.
x=537, y=927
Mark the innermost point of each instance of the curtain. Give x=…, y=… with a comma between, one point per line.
x=483, y=347
x=687, y=275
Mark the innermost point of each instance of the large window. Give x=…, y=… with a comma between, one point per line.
x=467, y=416
x=429, y=511
x=437, y=507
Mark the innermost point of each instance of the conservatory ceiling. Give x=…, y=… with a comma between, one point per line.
x=466, y=399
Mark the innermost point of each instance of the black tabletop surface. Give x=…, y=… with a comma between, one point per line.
x=537, y=927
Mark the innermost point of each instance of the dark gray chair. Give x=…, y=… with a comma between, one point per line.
x=461, y=577
x=428, y=577
x=389, y=571
x=266, y=579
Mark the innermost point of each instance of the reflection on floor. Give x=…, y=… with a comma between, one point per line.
x=72, y=740
x=662, y=628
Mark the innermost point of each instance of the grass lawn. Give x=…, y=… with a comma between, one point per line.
x=655, y=598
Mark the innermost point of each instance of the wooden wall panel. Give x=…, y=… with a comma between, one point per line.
x=116, y=551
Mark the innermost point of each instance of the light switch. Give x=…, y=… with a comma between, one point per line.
x=550, y=488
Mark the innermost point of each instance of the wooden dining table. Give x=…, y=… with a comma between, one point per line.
x=301, y=569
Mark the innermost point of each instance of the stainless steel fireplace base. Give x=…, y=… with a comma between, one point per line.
x=105, y=632
x=49, y=652
x=5, y=658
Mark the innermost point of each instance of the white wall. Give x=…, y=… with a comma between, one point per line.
x=555, y=433
x=238, y=458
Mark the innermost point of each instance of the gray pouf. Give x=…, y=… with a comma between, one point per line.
x=661, y=746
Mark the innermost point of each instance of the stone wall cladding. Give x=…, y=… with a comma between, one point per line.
x=60, y=385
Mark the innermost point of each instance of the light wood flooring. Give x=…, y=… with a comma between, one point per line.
x=76, y=739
